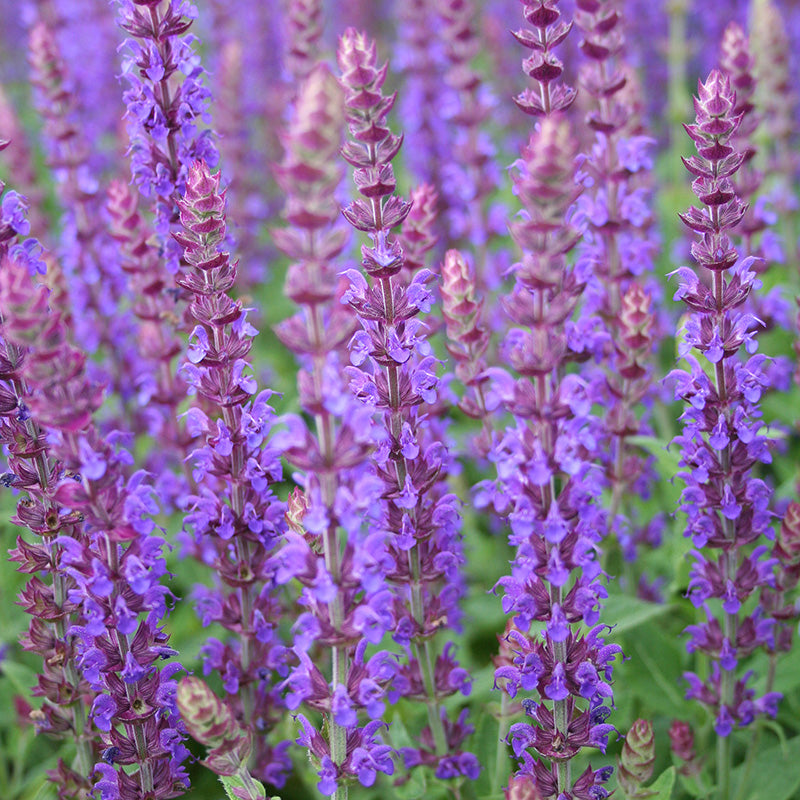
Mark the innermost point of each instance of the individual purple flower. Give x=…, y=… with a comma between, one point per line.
x=727, y=507
x=396, y=381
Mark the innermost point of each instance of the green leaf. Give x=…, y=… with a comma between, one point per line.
x=663, y=785
x=627, y=613
x=486, y=740
x=774, y=775
x=22, y=678
x=232, y=782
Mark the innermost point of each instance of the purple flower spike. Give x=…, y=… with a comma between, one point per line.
x=726, y=505
x=92, y=276
x=555, y=524
x=33, y=469
x=333, y=550
x=167, y=104
x=395, y=376
x=235, y=521
x=543, y=66
x=135, y=706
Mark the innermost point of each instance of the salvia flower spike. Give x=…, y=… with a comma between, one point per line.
x=727, y=506
x=395, y=374
x=235, y=521
x=116, y=567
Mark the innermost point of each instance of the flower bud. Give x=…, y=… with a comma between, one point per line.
x=636, y=762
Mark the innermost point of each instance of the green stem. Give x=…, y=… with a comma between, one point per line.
x=253, y=789
x=501, y=757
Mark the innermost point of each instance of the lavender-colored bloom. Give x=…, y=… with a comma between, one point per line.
x=738, y=63
x=93, y=278
x=235, y=519
x=134, y=697
x=394, y=375
x=334, y=550
x=419, y=56
x=555, y=575
x=98, y=105
x=470, y=175
x=164, y=114
x=615, y=258
x=726, y=505
x=33, y=469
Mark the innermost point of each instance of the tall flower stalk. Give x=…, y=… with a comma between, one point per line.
x=33, y=470
x=116, y=567
x=159, y=389
x=235, y=519
x=548, y=489
x=616, y=260
x=93, y=276
x=167, y=102
x=727, y=506
x=330, y=549
x=394, y=375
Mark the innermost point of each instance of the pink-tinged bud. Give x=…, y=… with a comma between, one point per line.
x=460, y=309
x=635, y=337
x=209, y=720
x=304, y=32
x=543, y=65
x=297, y=508
x=736, y=60
x=776, y=96
x=522, y=787
x=358, y=58
x=467, y=338
x=637, y=759
x=25, y=307
x=309, y=172
x=418, y=236
x=787, y=548
x=681, y=740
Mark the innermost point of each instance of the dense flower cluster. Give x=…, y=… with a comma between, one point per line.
x=235, y=521
x=330, y=548
x=615, y=257
x=727, y=506
x=395, y=375
x=400, y=540
x=114, y=567
x=163, y=115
